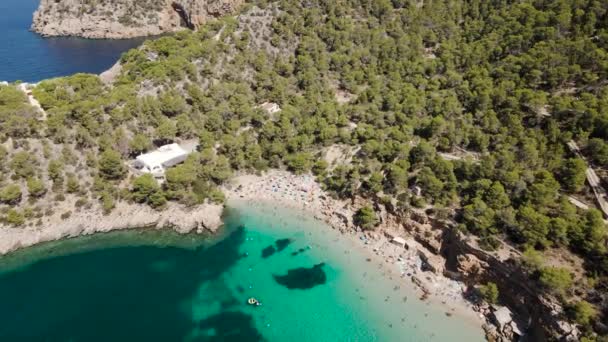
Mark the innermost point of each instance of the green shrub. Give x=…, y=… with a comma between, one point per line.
x=107, y=202
x=81, y=202
x=157, y=200
x=139, y=144
x=299, y=163
x=14, y=218
x=532, y=259
x=418, y=201
x=23, y=164
x=582, y=312
x=555, y=279
x=217, y=196
x=10, y=194
x=489, y=243
x=72, y=186
x=111, y=166
x=36, y=187
x=489, y=292
x=143, y=188
x=55, y=169
x=319, y=167
x=366, y=218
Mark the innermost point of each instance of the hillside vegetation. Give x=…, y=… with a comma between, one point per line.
x=510, y=82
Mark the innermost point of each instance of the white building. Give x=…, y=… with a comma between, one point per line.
x=157, y=161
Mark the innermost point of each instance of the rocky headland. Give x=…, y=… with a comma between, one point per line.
x=206, y=217
x=118, y=19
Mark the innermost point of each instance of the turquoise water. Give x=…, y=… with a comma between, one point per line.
x=158, y=286
x=26, y=56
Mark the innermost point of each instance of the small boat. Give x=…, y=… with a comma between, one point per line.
x=253, y=301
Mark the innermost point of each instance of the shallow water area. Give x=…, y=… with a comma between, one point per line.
x=160, y=286
x=361, y=300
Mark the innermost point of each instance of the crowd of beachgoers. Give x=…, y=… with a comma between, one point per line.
x=301, y=192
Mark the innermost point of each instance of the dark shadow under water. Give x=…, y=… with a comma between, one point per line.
x=279, y=246
x=74, y=297
x=303, y=278
x=230, y=327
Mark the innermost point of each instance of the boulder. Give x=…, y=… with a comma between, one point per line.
x=431, y=262
x=501, y=316
x=470, y=267
x=390, y=234
x=399, y=241
x=491, y=332
x=344, y=216
x=430, y=238
x=419, y=217
x=568, y=330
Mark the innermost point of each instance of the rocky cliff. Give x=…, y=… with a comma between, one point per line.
x=533, y=315
x=541, y=316
x=125, y=18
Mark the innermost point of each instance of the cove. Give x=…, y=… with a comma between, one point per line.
x=27, y=56
x=161, y=286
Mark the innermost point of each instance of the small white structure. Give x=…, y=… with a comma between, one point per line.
x=157, y=161
x=270, y=107
x=3, y=83
x=399, y=241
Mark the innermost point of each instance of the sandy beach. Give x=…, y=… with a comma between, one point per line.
x=274, y=189
x=279, y=189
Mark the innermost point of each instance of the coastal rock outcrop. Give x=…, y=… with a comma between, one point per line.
x=544, y=317
x=124, y=216
x=470, y=267
x=125, y=18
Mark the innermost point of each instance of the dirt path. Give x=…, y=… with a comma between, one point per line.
x=26, y=88
x=593, y=180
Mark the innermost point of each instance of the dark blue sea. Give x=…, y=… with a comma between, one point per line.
x=26, y=56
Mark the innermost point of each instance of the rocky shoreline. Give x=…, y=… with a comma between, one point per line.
x=201, y=218
x=125, y=19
